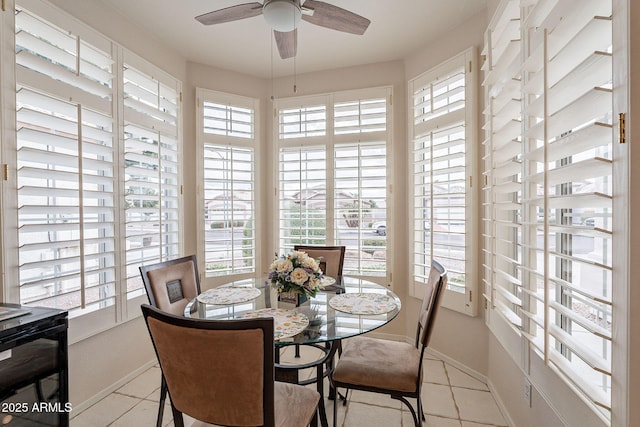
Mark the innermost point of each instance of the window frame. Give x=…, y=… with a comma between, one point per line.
x=203, y=95
x=467, y=302
x=330, y=140
x=82, y=324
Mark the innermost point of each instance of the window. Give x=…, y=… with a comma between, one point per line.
x=227, y=141
x=443, y=201
x=151, y=171
x=332, y=182
x=549, y=168
x=65, y=168
x=73, y=192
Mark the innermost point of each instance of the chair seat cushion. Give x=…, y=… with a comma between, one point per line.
x=295, y=404
x=378, y=363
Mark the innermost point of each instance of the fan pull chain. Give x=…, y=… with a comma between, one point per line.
x=273, y=91
x=295, y=43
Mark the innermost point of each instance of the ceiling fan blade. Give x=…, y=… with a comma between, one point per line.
x=287, y=43
x=334, y=17
x=232, y=13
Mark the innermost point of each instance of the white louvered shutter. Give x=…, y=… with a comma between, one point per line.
x=65, y=166
x=228, y=144
x=442, y=199
x=151, y=181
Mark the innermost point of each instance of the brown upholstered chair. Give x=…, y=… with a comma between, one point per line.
x=170, y=286
x=228, y=376
x=392, y=367
x=331, y=258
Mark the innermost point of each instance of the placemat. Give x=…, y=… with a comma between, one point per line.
x=286, y=323
x=228, y=295
x=363, y=303
x=327, y=281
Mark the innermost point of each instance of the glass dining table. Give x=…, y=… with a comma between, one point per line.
x=343, y=308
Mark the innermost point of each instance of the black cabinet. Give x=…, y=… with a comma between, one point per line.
x=34, y=379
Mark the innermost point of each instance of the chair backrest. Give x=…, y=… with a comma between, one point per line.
x=227, y=377
x=171, y=284
x=331, y=258
x=436, y=285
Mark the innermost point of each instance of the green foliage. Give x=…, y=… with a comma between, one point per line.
x=306, y=227
x=368, y=243
x=247, y=243
x=226, y=224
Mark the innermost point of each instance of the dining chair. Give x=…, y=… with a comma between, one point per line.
x=170, y=285
x=228, y=377
x=331, y=258
x=392, y=367
x=331, y=263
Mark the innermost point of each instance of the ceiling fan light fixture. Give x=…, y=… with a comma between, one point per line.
x=282, y=15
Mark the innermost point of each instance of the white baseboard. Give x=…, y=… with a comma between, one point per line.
x=464, y=368
x=79, y=408
x=500, y=404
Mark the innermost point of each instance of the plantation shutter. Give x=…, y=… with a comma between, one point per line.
x=303, y=197
x=303, y=122
x=228, y=138
x=442, y=200
x=65, y=166
x=360, y=116
x=569, y=168
x=361, y=170
x=151, y=155
x=502, y=235
x=552, y=275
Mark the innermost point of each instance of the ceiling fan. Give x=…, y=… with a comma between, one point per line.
x=285, y=15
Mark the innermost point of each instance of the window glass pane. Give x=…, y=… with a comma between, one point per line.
x=361, y=206
x=229, y=209
x=440, y=198
x=303, y=197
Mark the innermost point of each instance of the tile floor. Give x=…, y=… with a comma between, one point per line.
x=450, y=398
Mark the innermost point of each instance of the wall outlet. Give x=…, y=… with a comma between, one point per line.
x=527, y=391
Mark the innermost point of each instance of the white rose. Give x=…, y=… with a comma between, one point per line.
x=311, y=263
x=299, y=276
x=284, y=265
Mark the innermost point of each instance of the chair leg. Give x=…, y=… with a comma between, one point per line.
x=417, y=420
x=178, y=421
x=163, y=398
x=39, y=392
x=335, y=408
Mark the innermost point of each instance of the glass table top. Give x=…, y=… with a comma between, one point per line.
x=325, y=322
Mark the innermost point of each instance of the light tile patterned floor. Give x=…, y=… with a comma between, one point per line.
x=451, y=398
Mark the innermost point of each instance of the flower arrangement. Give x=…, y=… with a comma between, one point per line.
x=296, y=272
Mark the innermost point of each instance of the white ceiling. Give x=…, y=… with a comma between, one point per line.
x=398, y=28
